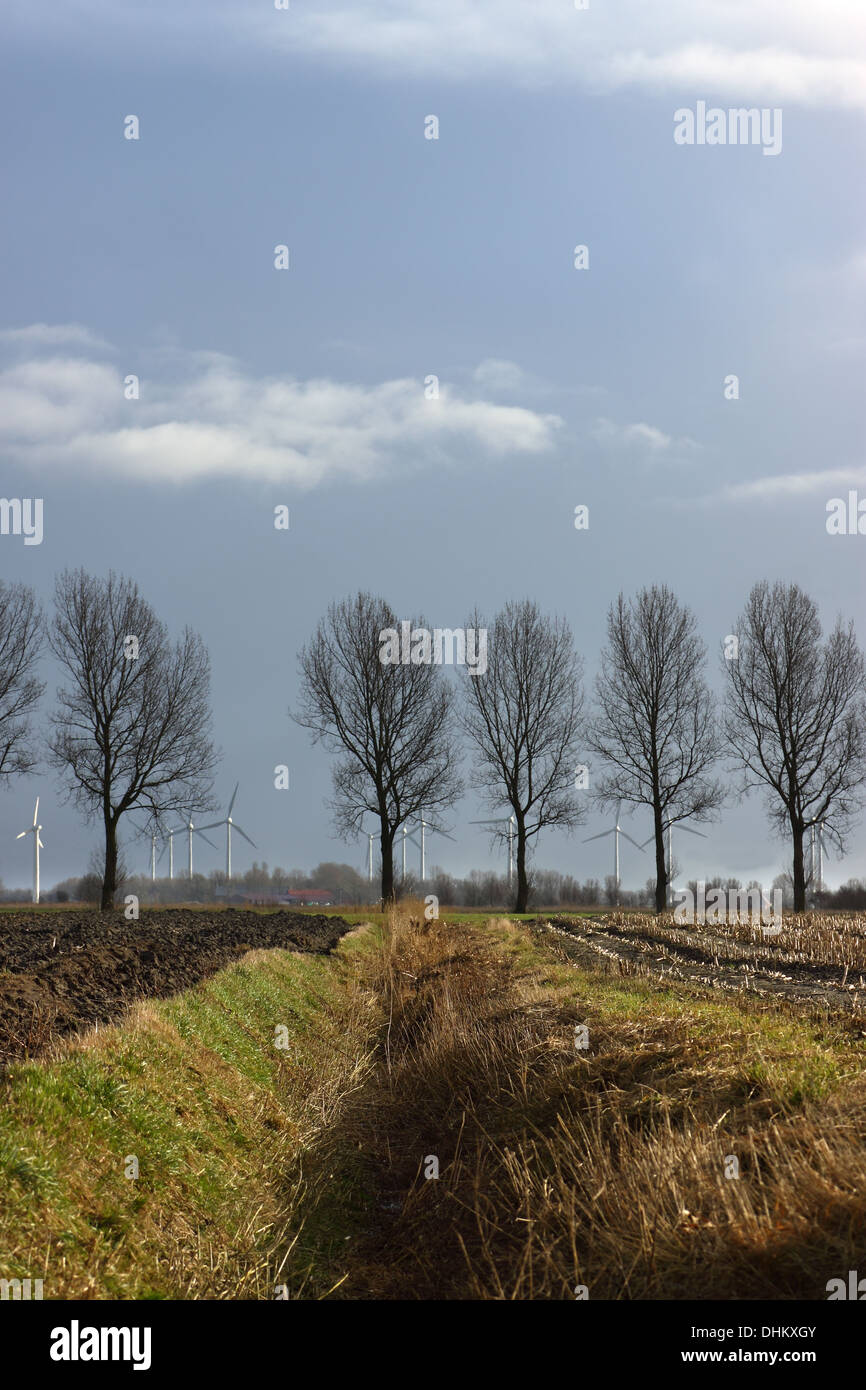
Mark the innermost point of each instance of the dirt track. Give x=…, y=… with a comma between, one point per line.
x=706, y=958
x=68, y=970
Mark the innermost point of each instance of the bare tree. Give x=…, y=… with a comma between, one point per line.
x=133, y=727
x=796, y=716
x=525, y=719
x=20, y=691
x=391, y=721
x=655, y=727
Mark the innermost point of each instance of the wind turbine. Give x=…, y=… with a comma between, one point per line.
x=190, y=831
x=818, y=842
x=169, y=841
x=153, y=839
x=670, y=826
x=405, y=837
x=34, y=830
x=422, y=845
x=615, y=832
x=371, y=835
x=494, y=824
x=229, y=825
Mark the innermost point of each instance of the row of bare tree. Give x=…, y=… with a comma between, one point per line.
x=131, y=725
x=793, y=722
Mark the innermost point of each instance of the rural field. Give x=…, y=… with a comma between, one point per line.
x=287, y=1106
x=64, y=970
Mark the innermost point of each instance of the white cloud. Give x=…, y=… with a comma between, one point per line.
x=39, y=335
x=213, y=419
x=42, y=402
x=771, y=75
x=641, y=435
x=796, y=51
x=781, y=485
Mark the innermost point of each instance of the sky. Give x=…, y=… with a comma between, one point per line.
x=411, y=257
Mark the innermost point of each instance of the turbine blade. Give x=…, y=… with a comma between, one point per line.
x=205, y=838
x=214, y=825
x=598, y=837
x=689, y=831
x=23, y=833
x=36, y=812
x=245, y=835
x=232, y=802
x=645, y=843
x=626, y=836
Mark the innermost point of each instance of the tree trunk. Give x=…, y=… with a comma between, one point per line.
x=661, y=866
x=109, y=881
x=388, y=894
x=799, y=869
x=522, y=880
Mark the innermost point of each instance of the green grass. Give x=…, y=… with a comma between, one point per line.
x=195, y=1088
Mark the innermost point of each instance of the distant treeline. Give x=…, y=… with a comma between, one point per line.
x=549, y=889
x=342, y=880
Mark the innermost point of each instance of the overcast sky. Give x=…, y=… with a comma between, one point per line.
x=411, y=257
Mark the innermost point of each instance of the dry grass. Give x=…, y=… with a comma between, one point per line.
x=560, y=1167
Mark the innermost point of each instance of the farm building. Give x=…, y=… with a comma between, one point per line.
x=307, y=897
x=292, y=897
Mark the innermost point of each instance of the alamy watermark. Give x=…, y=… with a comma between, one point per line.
x=734, y=905
x=846, y=518
x=855, y=1289
x=18, y=1289
x=418, y=646
x=77, y=1343
x=22, y=516
x=739, y=125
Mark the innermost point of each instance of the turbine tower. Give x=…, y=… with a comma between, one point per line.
x=229, y=825
x=153, y=839
x=169, y=840
x=818, y=843
x=371, y=835
x=494, y=825
x=615, y=832
x=670, y=827
x=190, y=831
x=422, y=844
x=34, y=830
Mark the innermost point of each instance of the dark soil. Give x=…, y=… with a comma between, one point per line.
x=67, y=971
